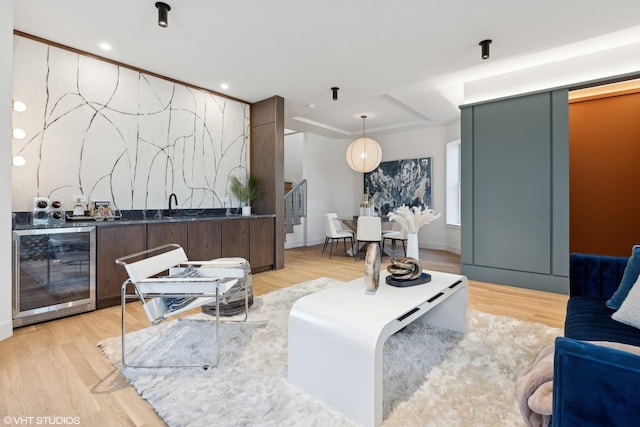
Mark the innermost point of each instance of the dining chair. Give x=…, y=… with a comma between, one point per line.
x=368, y=230
x=333, y=231
x=394, y=236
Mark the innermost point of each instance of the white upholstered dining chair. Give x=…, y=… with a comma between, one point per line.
x=394, y=236
x=334, y=232
x=368, y=230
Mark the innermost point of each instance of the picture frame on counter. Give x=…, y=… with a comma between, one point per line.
x=101, y=207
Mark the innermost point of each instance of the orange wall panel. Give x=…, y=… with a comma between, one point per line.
x=604, y=174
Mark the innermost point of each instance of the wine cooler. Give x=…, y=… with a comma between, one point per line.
x=53, y=273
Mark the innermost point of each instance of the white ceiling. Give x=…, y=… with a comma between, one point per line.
x=404, y=63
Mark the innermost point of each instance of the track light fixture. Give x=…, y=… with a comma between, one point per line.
x=485, y=48
x=335, y=93
x=163, y=14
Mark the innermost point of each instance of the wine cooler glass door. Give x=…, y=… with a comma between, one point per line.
x=54, y=274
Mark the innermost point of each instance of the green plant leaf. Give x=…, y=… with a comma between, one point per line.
x=246, y=192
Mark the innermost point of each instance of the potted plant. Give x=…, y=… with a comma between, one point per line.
x=246, y=192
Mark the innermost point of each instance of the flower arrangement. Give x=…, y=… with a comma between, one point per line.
x=411, y=219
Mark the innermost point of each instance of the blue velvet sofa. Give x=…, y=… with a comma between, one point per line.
x=595, y=385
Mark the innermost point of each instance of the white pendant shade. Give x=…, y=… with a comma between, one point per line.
x=364, y=155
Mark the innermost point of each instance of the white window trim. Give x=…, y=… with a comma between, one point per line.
x=453, y=188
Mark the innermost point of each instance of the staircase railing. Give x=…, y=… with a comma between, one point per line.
x=295, y=205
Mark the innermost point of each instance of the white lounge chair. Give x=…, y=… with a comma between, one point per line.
x=210, y=285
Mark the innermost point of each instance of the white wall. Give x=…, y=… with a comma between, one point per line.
x=426, y=142
x=334, y=187
x=331, y=185
x=293, y=170
x=293, y=145
x=452, y=233
x=6, y=79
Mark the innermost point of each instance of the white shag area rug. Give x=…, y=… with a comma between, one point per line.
x=432, y=376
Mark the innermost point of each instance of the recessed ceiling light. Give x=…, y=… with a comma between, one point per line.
x=105, y=46
x=224, y=86
x=311, y=105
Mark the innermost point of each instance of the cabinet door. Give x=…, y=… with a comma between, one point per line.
x=235, y=238
x=114, y=242
x=204, y=240
x=262, y=244
x=167, y=232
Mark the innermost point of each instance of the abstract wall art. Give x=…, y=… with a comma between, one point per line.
x=399, y=182
x=110, y=132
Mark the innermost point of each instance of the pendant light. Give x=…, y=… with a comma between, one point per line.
x=364, y=154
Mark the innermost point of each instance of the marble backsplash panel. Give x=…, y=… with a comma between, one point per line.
x=109, y=132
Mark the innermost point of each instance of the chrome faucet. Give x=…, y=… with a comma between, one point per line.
x=173, y=197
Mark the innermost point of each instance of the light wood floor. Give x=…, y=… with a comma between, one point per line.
x=56, y=369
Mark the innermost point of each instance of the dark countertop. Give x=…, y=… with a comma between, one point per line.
x=23, y=220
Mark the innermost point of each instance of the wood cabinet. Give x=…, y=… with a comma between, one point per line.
x=248, y=238
x=235, y=238
x=204, y=240
x=114, y=242
x=159, y=234
x=262, y=244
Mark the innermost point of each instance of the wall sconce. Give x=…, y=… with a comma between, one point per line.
x=19, y=133
x=484, y=44
x=364, y=154
x=163, y=14
x=335, y=90
x=18, y=106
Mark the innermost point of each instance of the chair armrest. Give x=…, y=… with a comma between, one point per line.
x=595, y=276
x=594, y=385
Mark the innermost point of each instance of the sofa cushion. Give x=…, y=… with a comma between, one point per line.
x=629, y=311
x=596, y=276
x=629, y=277
x=589, y=319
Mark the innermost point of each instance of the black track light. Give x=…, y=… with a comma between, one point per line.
x=485, y=48
x=335, y=93
x=163, y=14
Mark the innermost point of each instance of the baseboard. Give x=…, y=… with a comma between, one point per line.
x=439, y=247
x=453, y=250
x=520, y=279
x=6, y=330
x=291, y=245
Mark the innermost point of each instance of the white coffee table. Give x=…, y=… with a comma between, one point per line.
x=336, y=337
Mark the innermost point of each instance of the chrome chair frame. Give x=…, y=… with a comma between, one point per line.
x=213, y=285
